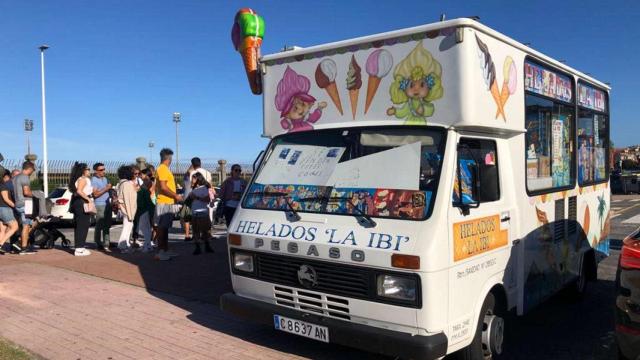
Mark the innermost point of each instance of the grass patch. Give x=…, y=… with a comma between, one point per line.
x=9, y=351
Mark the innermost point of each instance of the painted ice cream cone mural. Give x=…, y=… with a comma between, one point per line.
x=354, y=83
x=326, y=79
x=510, y=77
x=247, y=34
x=294, y=102
x=509, y=83
x=378, y=65
x=417, y=83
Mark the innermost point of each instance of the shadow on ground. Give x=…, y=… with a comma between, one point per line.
x=559, y=329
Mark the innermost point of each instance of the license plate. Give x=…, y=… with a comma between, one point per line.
x=302, y=328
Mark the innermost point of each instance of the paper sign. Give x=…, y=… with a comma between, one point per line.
x=592, y=98
x=478, y=236
x=545, y=82
x=397, y=168
x=300, y=164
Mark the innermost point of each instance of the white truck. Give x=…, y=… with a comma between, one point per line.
x=419, y=186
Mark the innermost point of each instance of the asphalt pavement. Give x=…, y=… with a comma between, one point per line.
x=561, y=328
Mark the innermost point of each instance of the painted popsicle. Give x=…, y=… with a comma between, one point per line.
x=247, y=34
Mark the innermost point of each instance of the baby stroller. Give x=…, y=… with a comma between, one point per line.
x=45, y=233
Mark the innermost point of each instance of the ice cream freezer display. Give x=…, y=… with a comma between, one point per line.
x=419, y=185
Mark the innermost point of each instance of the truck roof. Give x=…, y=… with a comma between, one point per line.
x=460, y=22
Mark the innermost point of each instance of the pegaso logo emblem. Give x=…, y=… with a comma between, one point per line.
x=307, y=276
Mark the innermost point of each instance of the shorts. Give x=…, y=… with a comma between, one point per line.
x=6, y=215
x=21, y=215
x=164, y=215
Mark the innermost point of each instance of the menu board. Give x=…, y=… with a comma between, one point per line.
x=591, y=98
x=548, y=83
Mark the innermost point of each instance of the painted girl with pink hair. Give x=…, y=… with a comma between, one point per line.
x=294, y=102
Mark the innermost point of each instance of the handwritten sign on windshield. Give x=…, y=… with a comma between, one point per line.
x=300, y=164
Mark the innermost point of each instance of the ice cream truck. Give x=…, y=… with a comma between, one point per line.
x=420, y=187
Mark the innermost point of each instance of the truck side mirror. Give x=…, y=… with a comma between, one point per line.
x=466, y=195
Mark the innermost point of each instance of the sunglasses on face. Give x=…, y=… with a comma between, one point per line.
x=100, y=169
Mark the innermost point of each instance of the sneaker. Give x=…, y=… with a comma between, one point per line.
x=27, y=252
x=172, y=254
x=16, y=247
x=2, y=252
x=81, y=252
x=162, y=256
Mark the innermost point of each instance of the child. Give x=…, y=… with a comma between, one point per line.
x=200, y=220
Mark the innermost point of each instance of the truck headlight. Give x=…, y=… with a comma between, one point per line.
x=243, y=262
x=397, y=287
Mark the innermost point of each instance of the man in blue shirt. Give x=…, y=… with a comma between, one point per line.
x=101, y=196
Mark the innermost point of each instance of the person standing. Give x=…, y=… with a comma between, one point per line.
x=81, y=190
x=21, y=191
x=201, y=222
x=101, y=196
x=144, y=212
x=165, y=207
x=185, y=213
x=196, y=164
x=231, y=191
x=8, y=223
x=128, y=198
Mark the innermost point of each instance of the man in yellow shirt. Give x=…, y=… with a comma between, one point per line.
x=166, y=203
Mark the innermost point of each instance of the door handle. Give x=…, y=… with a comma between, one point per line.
x=505, y=219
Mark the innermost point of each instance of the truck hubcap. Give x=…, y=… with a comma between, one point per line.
x=492, y=335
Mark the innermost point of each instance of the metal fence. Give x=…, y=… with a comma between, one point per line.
x=60, y=170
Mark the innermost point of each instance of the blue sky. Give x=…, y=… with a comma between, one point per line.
x=118, y=69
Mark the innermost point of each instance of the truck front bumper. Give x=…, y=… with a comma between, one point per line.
x=341, y=332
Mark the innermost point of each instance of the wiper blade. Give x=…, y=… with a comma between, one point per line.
x=292, y=214
x=369, y=220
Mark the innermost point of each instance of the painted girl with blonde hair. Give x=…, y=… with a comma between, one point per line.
x=417, y=83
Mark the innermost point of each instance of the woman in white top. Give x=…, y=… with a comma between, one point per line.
x=80, y=187
x=127, y=198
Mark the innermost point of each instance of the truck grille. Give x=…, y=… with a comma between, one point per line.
x=312, y=302
x=332, y=278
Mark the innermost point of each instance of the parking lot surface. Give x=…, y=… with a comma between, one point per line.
x=128, y=306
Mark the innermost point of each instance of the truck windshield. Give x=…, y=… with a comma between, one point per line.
x=377, y=172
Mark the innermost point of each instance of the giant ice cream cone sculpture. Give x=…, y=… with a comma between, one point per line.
x=378, y=65
x=326, y=79
x=247, y=34
x=354, y=83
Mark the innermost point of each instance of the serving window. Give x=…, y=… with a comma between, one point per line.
x=593, y=135
x=550, y=124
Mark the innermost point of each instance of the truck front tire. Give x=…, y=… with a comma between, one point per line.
x=488, y=339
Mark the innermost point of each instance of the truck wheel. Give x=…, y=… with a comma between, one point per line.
x=577, y=290
x=488, y=339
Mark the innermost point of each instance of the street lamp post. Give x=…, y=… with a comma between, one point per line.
x=176, y=119
x=28, y=128
x=151, y=145
x=45, y=158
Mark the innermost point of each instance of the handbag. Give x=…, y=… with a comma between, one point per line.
x=90, y=207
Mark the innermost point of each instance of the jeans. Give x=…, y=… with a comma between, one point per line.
x=103, y=225
x=228, y=214
x=82, y=222
x=127, y=226
x=144, y=225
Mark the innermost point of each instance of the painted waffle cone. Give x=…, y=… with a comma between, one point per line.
x=332, y=90
x=496, y=97
x=504, y=96
x=372, y=88
x=353, y=96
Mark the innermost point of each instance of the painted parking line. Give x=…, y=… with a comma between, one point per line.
x=632, y=220
x=620, y=212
